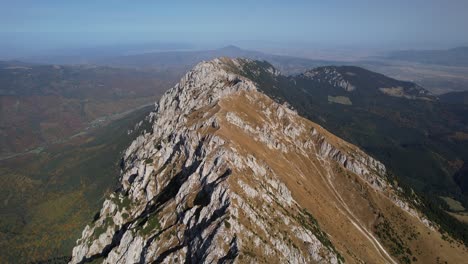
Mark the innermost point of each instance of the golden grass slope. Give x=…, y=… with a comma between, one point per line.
x=363, y=224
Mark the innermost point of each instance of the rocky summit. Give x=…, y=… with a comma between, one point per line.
x=224, y=173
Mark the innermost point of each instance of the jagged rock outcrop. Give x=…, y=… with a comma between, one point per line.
x=350, y=78
x=331, y=76
x=226, y=174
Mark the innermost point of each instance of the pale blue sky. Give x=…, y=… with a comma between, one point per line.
x=397, y=23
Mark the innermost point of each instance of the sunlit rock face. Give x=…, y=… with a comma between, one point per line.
x=331, y=76
x=227, y=174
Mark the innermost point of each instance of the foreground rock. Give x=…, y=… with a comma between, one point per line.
x=226, y=174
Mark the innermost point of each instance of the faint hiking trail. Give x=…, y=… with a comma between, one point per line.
x=349, y=214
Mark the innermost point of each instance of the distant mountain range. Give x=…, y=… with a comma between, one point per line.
x=183, y=60
x=435, y=77
x=451, y=57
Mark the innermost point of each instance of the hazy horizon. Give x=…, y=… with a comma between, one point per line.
x=30, y=28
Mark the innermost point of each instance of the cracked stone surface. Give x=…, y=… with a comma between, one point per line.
x=226, y=174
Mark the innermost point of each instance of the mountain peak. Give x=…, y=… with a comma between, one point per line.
x=231, y=48
x=207, y=82
x=226, y=174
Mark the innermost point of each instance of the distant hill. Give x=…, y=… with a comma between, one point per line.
x=451, y=57
x=184, y=60
x=187, y=59
x=455, y=97
x=87, y=55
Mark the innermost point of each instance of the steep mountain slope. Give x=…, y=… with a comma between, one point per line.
x=47, y=197
x=226, y=174
x=421, y=139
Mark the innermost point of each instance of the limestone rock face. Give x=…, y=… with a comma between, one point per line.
x=337, y=77
x=330, y=75
x=226, y=174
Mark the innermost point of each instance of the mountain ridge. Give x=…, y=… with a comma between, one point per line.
x=420, y=141
x=214, y=180
x=351, y=77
